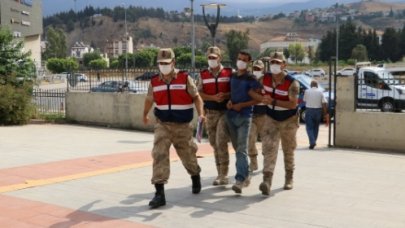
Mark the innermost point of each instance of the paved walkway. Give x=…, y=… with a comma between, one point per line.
x=75, y=176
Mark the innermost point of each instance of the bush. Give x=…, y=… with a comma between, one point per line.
x=15, y=104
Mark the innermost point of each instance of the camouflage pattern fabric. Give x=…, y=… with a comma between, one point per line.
x=274, y=132
x=218, y=135
x=181, y=136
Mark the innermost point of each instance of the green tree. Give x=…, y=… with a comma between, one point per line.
x=359, y=53
x=98, y=64
x=235, y=42
x=56, y=65
x=56, y=44
x=15, y=92
x=88, y=57
x=297, y=52
x=390, y=45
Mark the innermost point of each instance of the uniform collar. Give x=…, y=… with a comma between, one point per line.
x=173, y=75
x=219, y=71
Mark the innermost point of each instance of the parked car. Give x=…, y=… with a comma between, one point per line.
x=146, y=76
x=119, y=86
x=347, y=71
x=316, y=72
x=305, y=83
x=81, y=77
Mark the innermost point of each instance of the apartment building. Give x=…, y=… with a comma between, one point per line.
x=117, y=47
x=24, y=19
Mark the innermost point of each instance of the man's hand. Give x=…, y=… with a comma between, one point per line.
x=145, y=119
x=202, y=118
x=229, y=105
x=267, y=99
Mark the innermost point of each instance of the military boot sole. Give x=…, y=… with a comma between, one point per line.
x=156, y=203
x=288, y=187
x=220, y=181
x=237, y=189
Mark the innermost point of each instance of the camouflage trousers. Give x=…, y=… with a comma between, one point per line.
x=181, y=136
x=273, y=132
x=218, y=135
x=255, y=130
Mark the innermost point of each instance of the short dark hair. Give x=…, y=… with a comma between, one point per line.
x=247, y=54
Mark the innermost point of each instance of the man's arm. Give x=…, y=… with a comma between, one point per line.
x=146, y=108
x=293, y=93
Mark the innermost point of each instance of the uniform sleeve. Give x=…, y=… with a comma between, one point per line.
x=294, y=90
x=149, y=95
x=191, y=87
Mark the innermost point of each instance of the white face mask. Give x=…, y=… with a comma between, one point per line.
x=275, y=69
x=258, y=73
x=241, y=65
x=166, y=69
x=213, y=63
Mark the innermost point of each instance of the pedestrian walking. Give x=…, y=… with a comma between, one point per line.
x=259, y=113
x=281, y=122
x=239, y=117
x=173, y=93
x=315, y=103
x=214, y=88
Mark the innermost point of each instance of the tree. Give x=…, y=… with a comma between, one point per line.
x=235, y=42
x=56, y=46
x=57, y=65
x=390, y=45
x=98, y=64
x=297, y=52
x=359, y=53
x=88, y=57
x=15, y=92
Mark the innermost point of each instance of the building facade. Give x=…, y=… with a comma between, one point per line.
x=115, y=48
x=24, y=19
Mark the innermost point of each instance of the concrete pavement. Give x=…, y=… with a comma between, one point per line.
x=77, y=176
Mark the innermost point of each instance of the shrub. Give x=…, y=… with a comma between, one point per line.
x=15, y=104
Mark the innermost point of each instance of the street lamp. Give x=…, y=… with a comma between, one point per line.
x=126, y=41
x=192, y=36
x=213, y=26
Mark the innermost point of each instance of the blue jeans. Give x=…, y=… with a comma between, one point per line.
x=313, y=118
x=239, y=127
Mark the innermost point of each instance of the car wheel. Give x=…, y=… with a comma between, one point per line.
x=302, y=115
x=387, y=105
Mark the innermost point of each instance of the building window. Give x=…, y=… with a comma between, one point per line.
x=26, y=23
x=25, y=12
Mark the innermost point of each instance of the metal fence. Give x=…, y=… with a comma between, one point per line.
x=378, y=90
x=51, y=101
x=135, y=80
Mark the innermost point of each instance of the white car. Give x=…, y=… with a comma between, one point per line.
x=347, y=71
x=316, y=72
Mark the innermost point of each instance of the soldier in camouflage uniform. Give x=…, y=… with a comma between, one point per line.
x=281, y=122
x=259, y=113
x=173, y=93
x=214, y=88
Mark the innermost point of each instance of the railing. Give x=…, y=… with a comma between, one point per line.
x=137, y=80
x=51, y=101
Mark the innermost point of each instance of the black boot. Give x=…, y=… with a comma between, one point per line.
x=159, y=199
x=196, y=188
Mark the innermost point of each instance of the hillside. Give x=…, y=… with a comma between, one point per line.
x=165, y=33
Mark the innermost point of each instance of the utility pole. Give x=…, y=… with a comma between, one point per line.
x=126, y=42
x=337, y=35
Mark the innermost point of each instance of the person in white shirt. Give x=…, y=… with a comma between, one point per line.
x=315, y=101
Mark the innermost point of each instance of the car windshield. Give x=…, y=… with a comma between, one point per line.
x=306, y=80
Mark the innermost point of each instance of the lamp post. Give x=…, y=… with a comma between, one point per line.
x=126, y=41
x=192, y=36
x=213, y=26
x=337, y=35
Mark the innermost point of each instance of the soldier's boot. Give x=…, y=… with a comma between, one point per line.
x=222, y=178
x=288, y=180
x=196, y=186
x=159, y=199
x=265, y=186
x=253, y=163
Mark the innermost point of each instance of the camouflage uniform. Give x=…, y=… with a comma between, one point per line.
x=178, y=134
x=273, y=131
x=255, y=129
x=218, y=136
x=181, y=136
